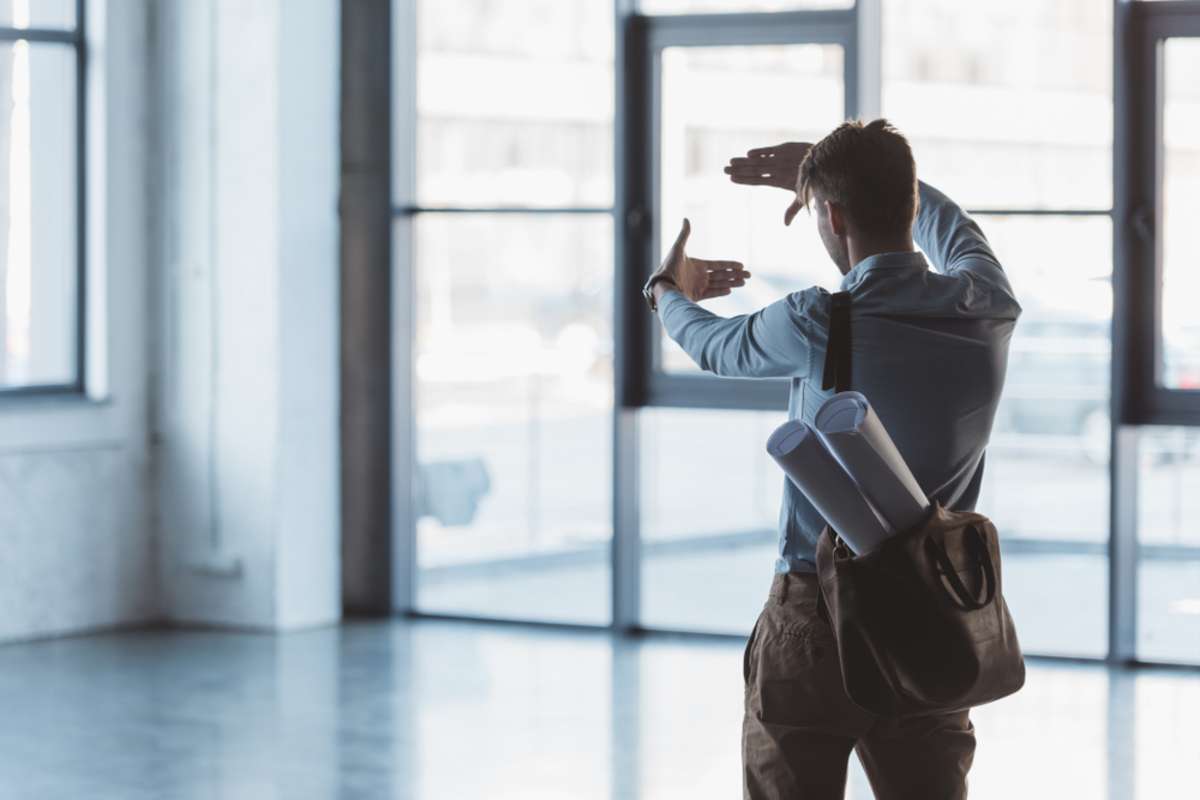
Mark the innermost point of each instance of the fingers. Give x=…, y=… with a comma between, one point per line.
x=722, y=274
x=727, y=276
x=763, y=152
x=713, y=266
x=756, y=164
x=760, y=172
x=756, y=180
x=756, y=168
x=737, y=162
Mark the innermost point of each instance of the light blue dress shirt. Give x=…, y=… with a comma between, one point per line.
x=929, y=350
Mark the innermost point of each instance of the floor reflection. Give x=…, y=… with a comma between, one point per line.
x=429, y=710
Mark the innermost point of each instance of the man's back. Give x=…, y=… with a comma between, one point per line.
x=929, y=352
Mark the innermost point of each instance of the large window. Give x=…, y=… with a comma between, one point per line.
x=511, y=232
x=573, y=465
x=41, y=211
x=1009, y=109
x=1162, y=183
x=1180, y=368
x=708, y=498
x=706, y=116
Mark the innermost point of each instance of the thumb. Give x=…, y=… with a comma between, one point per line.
x=684, y=233
x=791, y=212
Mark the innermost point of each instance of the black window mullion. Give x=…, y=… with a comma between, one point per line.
x=1139, y=106
x=517, y=210
x=44, y=35
x=1039, y=212
x=81, y=315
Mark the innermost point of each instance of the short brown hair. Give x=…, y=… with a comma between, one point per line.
x=869, y=171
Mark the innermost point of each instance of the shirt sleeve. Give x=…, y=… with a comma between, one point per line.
x=953, y=241
x=773, y=342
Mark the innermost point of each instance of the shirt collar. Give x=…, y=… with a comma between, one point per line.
x=879, y=261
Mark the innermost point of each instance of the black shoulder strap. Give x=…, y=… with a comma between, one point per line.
x=837, y=348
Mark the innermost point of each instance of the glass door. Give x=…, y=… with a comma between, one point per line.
x=715, y=88
x=1168, y=618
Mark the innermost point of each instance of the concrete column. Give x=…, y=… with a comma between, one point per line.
x=249, y=448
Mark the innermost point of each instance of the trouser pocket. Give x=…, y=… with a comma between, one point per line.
x=795, y=675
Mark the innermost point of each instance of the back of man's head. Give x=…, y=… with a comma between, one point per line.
x=867, y=170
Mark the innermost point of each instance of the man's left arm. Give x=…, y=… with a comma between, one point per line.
x=770, y=343
x=773, y=342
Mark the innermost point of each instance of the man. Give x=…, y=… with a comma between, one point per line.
x=929, y=351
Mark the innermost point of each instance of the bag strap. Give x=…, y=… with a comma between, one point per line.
x=966, y=599
x=837, y=348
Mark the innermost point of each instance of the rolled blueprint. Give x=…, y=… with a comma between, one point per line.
x=815, y=472
x=853, y=433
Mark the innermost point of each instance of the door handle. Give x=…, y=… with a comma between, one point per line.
x=636, y=220
x=1142, y=222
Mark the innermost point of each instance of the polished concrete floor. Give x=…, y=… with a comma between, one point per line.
x=434, y=710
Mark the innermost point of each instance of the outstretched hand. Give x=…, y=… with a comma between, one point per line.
x=778, y=166
x=699, y=278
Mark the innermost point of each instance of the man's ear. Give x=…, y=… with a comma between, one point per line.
x=837, y=220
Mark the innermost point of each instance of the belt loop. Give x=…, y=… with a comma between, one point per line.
x=783, y=588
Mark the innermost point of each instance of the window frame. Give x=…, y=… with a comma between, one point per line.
x=644, y=383
x=75, y=38
x=1133, y=400
x=857, y=29
x=405, y=212
x=1138, y=178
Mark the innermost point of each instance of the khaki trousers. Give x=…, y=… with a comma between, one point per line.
x=800, y=726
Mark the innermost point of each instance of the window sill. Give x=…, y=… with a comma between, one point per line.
x=60, y=420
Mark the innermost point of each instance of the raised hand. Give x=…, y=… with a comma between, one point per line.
x=699, y=278
x=769, y=166
x=772, y=166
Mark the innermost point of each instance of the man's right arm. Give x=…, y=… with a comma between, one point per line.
x=953, y=241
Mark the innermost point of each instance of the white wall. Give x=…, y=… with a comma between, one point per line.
x=77, y=549
x=199, y=480
x=248, y=419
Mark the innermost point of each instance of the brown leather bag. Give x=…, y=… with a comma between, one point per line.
x=920, y=622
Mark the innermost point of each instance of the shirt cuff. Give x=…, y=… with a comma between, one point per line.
x=669, y=297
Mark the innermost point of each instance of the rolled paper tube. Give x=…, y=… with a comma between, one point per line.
x=853, y=433
x=815, y=472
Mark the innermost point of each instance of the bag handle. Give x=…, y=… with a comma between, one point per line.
x=966, y=599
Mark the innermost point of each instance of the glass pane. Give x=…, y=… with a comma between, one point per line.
x=37, y=14
x=1046, y=481
x=513, y=362
x=1181, y=208
x=710, y=498
x=514, y=102
x=1169, y=545
x=37, y=215
x=713, y=108
x=1007, y=104
x=718, y=6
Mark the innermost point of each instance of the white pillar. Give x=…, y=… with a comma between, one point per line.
x=249, y=468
